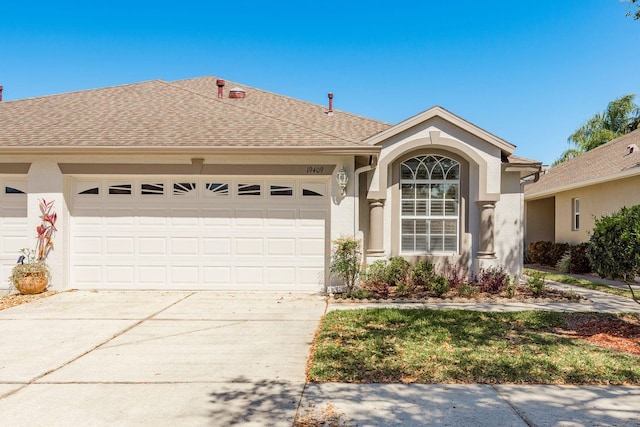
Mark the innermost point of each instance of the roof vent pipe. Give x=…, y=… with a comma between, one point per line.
x=1, y=93
x=330, y=111
x=220, y=84
x=237, y=93
x=631, y=148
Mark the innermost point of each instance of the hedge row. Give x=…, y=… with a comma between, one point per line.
x=569, y=258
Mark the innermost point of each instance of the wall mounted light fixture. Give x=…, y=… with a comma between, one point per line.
x=342, y=179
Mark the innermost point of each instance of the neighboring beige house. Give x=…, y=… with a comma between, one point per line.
x=207, y=184
x=563, y=205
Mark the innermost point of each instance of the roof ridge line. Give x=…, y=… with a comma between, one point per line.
x=261, y=113
x=295, y=99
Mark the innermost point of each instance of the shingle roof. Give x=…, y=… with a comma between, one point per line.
x=180, y=114
x=609, y=161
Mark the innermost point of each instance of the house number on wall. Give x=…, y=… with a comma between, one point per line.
x=315, y=170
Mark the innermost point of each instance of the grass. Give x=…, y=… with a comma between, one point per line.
x=456, y=346
x=583, y=283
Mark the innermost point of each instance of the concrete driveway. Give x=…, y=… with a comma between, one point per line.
x=156, y=358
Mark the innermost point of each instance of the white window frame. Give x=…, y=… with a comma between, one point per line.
x=575, y=214
x=428, y=217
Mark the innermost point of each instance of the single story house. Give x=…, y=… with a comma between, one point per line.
x=207, y=184
x=565, y=202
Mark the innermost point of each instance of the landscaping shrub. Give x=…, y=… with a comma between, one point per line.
x=454, y=276
x=374, y=278
x=466, y=290
x=564, y=265
x=552, y=254
x=493, y=279
x=397, y=271
x=536, y=283
x=422, y=272
x=579, y=260
x=345, y=260
x=438, y=284
x=539, y=252
x=614, y=249
x=405, y=288
x=556, y=253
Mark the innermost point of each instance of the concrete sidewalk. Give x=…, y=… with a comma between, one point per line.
x=409, y=405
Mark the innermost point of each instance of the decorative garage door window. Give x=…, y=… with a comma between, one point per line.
x=430, y=188
x=179, y=188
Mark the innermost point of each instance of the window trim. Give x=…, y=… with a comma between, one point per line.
x=429, y=182
x=575, y=214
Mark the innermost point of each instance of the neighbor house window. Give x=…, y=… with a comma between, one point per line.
x=430, y=197
x=576, y=215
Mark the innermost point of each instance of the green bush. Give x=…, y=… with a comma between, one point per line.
x=614, y=247
x=374, y=279
x=536, y=283
x=438, y=284
x=397, y=271
x=579, y=262
x=345, y=260
x=422, y=272
x=467, y=290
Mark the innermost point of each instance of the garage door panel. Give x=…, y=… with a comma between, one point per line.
x=88, y=275
x=150, y=276
x=152, y=245
x=88, y=245
x=249, y=246
x=181, y=246
x=281, y=276
x=281, y=247
x=249, y=276
x=199, y=241
x=120, y=246
x=116, y=274
x=220, y=275
x=217, y=246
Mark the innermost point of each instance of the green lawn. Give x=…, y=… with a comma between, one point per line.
x=457, y=346
x=583, y=283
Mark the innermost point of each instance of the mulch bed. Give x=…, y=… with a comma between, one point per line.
x=420, y=295
x=615, y=333
x=12, y=300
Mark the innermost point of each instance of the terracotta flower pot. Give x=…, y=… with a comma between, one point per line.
x=32, y=283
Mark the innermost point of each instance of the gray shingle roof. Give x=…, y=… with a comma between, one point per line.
x=179, y=114
x=600, y=164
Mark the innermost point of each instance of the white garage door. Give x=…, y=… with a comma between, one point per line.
x=205, y=233
x=13, y=225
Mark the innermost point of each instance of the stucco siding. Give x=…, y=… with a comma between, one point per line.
x=595, y=201
x=540, y=220
x=508, y=224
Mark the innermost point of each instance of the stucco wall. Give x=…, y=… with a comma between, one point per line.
x=509, y=215
x=595, y=201
x=540, y=220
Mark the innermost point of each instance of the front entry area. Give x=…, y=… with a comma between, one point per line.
x=181, y=232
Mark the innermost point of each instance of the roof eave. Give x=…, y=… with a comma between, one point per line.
x=586, y=183
x=267, y=150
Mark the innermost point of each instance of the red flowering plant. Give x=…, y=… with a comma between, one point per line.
x=31, y=267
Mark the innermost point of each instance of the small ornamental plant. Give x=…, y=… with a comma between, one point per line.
x=31, y=275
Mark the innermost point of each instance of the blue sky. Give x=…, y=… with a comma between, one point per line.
x=529, y=72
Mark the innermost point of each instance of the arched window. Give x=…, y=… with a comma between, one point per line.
x=430, y=216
